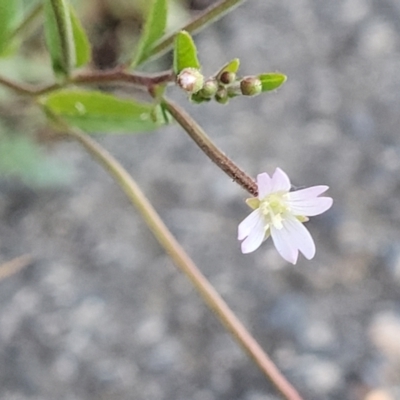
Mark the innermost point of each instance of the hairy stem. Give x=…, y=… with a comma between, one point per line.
x=185, y=264
x=209, y=148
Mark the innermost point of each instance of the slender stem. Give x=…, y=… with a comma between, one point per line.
x=119, y=74
x=15, y=265
x=32, y=15
x=40, y=90
x=94, y=77
x=186, y=265
x=209, y=15
x=209, y=148
x=26, y=89
x=17, y=87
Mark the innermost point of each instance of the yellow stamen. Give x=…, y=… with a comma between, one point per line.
x=272, y=207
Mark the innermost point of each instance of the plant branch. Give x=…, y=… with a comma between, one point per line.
x=20, y=88
x=120, y=75
x=185, y=264
x=209, y=15
x=94, y=77
x=209, y=148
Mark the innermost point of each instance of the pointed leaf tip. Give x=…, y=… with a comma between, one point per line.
x=232, y=66
x=185, y=53
x=272, y=81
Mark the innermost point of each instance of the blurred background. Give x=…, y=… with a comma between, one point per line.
x=102, y=313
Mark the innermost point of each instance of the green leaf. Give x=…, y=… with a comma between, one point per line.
x=82, y=45
x=23, y=158
x=11, y=12
x=231, y=66
x=185, y=52
x=59, y=36
x=271, y=81
x=153, y=29
x=66, y=39
x=95, y=112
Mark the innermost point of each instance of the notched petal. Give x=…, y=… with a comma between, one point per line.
x=310, y=207
x=283, y=245
x=264, y=185
x=254, y=239
x=246, y=226
x=307, y=193
x=299, y=236
x=280, y=181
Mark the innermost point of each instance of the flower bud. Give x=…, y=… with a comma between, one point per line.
x=227, y=77
x=250, y=86
x=190, y=80
x=221, y=96
x=209, y=89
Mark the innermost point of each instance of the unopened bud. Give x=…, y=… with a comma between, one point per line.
x=250, y=86
x=190, y=80
x=221, y=96
x=209, y=89
x=227, y=77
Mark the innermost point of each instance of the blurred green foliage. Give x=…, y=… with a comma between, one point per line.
x=21, y=158
x=11, y=13
x=153, y=30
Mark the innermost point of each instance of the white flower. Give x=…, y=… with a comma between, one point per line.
x=281, y=213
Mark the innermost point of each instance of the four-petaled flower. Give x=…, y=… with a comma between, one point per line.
x=280, y=213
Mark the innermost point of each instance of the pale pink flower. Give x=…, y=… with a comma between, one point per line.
x=280, y=213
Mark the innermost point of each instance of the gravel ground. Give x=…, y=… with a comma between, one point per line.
x=102, y=313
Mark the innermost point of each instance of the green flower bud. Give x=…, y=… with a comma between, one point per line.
x=209, y=89
x=190, y=80
x=250, y=86
x=221, y=96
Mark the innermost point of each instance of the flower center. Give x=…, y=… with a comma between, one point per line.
x=272, y=208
